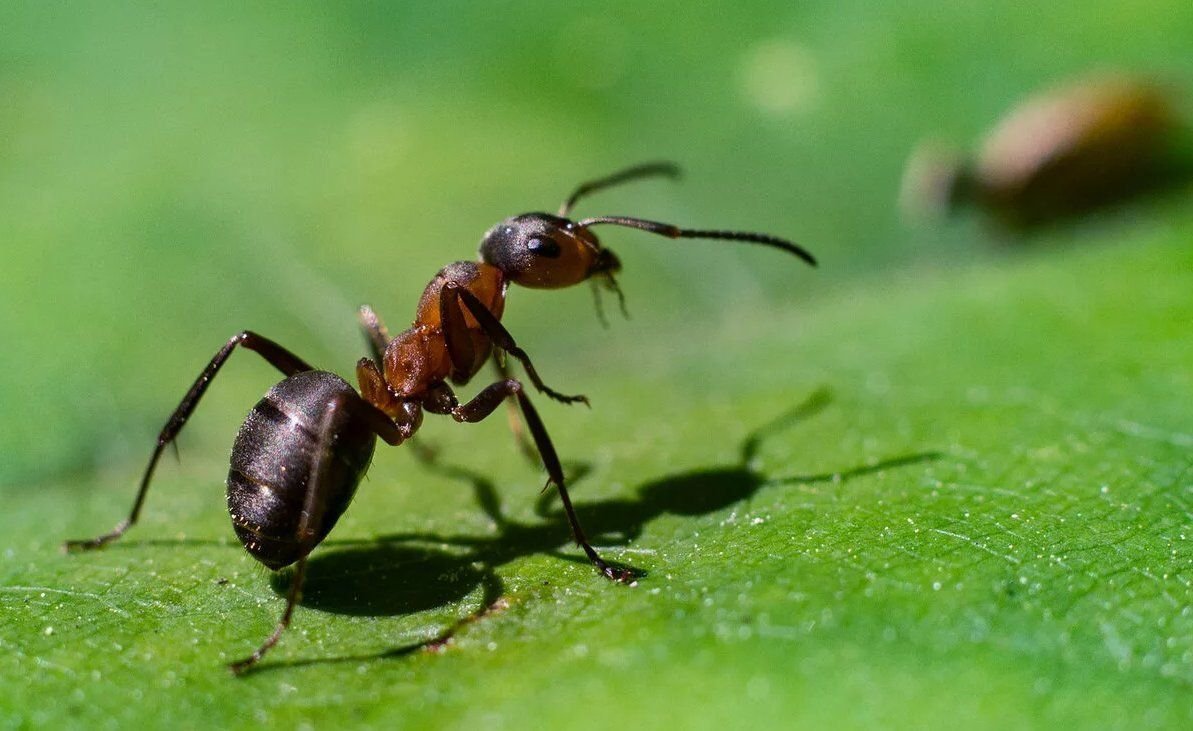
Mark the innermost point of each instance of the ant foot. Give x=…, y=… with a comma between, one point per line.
x=620, y=574
x=240, y=667
x=91, y=544
x=565, y=399
x=80, y=546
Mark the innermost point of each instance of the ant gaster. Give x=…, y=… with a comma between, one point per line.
x=304, y=447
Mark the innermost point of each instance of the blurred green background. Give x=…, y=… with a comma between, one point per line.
x=170, y=175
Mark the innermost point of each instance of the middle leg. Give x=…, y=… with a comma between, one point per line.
x=485, y=403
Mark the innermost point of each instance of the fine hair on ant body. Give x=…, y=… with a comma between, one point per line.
x=301, y=452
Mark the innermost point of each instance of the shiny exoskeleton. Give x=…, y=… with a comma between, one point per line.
x=303, y=449
x=272, y=459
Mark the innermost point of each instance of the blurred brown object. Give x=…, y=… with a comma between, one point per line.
x=1059, y=154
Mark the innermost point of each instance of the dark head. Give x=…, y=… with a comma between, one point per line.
x=546, y=252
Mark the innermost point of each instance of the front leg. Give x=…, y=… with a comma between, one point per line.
x=456, y=334
x=485, y=403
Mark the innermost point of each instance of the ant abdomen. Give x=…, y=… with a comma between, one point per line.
x=273, y=459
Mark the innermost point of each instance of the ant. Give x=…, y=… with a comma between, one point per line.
x=302, y=450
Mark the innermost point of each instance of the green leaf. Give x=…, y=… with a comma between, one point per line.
x=928, y=485
x=979, y=514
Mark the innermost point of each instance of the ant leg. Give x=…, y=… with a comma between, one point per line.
x=292, y=598
x=456, y=334
x=515, y=420
x=375, y=331
x=501, y=338
x=315, y=504
x=280, y=358
x=484, y=404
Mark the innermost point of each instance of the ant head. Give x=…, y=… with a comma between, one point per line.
x=543, y=251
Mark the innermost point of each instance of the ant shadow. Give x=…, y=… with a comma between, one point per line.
x=406, y=573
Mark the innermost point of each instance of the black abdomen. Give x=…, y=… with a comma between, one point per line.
x=274, y=459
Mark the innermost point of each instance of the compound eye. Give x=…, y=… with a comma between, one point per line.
x=546, y=248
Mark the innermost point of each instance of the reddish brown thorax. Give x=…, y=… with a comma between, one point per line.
x=417, y=358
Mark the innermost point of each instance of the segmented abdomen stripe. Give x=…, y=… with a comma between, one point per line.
x=277, y=413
